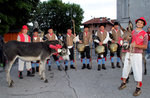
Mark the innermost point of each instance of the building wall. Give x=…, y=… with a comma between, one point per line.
x=10, y=36
x=131, y=10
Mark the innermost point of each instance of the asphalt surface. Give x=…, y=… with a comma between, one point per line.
x=73, y=83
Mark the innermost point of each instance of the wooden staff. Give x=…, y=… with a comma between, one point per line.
x=91, y=46
x=75, y=45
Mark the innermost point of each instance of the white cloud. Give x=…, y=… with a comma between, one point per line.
x=96, y=8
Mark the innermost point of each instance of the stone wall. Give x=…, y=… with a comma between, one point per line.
x=131, y=10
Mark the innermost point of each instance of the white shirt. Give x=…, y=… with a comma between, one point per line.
x=106, y=39
x=26, y=38
x=35, y=38
x=55, y=37
x=116, y=32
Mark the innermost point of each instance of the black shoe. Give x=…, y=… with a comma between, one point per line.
x=84, y=66
x=118, y=65
x=127, y=80
x=72, y=67
x=88, y=66
x=112, y=65
x=103, y=66
x=20, y=75
x=37, y=69
x=33, y=70
x=99, y=67
x=49, y=68
x=59, y=68
x=122, y=86
x=137, y=92
x=131, y=73
x=66, y=68
x=29, y=74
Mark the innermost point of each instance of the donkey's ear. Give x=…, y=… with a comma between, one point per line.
x=124, y=30
x=130, y=26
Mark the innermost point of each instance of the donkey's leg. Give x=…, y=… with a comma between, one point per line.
x=9, y=66
x=122, y=58
x=144, y=61
x=40, y=72
x=43, y=71
x=145, y=68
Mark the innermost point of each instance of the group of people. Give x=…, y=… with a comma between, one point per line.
x=133, y=59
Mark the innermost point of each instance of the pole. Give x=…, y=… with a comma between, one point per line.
x=75, y=45
x=91, y=46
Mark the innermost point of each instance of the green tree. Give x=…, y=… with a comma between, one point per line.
x=15, y=13
x=53, y=14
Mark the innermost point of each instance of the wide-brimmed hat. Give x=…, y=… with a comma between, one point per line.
x=142, y=19
x=25, y=27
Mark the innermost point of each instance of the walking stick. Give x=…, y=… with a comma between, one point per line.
x=91, y=54
x=75, y=45
x=91, y=46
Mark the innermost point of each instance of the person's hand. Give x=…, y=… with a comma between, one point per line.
x=100, y=43
x=80, y=41
x=133, y=45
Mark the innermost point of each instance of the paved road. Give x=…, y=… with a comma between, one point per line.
x=73, y=84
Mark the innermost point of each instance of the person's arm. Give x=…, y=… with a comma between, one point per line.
x=96, y=33
x=139, y=46
x=107, y=38
x=75, y=38
x=29, y=38
x=81, y=37
x=61, y=38
x=110, y=32
x=41, y=39
x=46, y=36
x=121, y=33
x=18, y=38
x=90, y=39
x=110, y=35
x=56, y=37
x=144, y=46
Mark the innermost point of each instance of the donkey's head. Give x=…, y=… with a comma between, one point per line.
x=64, y=47
x=57, y=47
x=127, y=36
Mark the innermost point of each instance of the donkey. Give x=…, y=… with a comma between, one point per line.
x=31, y=52
x=126, y=44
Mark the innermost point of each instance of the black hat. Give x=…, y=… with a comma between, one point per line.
x=116, y=23
x=86, y=26
x=36, y=30
x=102, y=24
x=69, y=28
x=50, y=28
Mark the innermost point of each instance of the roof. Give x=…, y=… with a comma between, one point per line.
x=99, y=20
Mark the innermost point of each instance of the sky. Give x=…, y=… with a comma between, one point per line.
x=96, y=8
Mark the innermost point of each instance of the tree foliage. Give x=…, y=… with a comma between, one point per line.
x=53, y=14
x=15, y=13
